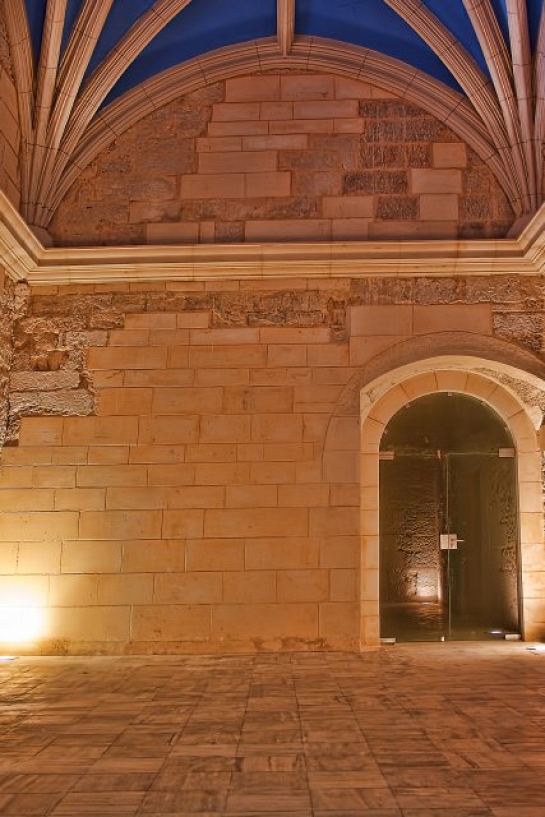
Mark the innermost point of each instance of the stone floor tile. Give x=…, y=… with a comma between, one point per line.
x=448, y=812
x=62, y=753
x=361, y=813
x=454, y=799
x=477, y=754
x=20, y=805
x=339, y=757
x=273, y=802
x=533, y=759
x=119, y=802
x=123, y=765
x=204, y=750
x=172, y=778
x=357, y=799
x=216, y=737
x=114, y=782
x=183, y=814
x=524, y=811
x=33, y=783
x=180, y=800
x=39, y=767
x=200, y=781
x=528, y=796
x=271, y=763
x=267, y=747
x=363, y=779
x=275, y=813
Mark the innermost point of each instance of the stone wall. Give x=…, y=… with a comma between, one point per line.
x=10, y=136
x=181, y=472
x=283, y=157
x=8, y=305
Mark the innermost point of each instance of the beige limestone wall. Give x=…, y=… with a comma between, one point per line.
x=283, y=157
x=10, y=136
x=8, y=306
x=181, y=472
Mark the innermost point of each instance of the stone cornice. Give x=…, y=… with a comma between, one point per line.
x=20, y=250
x=26, y=259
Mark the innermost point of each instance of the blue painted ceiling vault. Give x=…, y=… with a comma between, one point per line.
x=422, y=35
x=205, y=25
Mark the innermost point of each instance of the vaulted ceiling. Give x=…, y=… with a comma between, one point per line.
x=88, y=69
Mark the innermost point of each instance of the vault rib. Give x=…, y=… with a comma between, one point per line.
x=539, y=87
x=23, y=68
x=46, y=81
x=285, y=15
x=521, y=56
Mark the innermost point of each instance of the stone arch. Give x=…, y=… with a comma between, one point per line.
x=506, y=359
x=380, y=400
x=516, y=369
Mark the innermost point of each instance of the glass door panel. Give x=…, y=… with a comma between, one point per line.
x=480, y=576
x=411, y=519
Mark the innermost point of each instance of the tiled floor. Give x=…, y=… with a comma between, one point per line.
x=408, y=731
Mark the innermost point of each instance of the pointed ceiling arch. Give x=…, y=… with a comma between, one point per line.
x=306, y=55
x=500, y=112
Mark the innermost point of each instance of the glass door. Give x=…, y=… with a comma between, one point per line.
x=448, y=524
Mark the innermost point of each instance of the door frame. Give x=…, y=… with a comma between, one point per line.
x=379, y=401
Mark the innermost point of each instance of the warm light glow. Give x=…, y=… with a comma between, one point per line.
x=425, y=586
x=21, y=619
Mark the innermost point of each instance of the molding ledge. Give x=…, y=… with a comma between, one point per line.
x=24, y=258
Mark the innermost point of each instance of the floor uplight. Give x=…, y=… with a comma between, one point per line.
x=20, y=624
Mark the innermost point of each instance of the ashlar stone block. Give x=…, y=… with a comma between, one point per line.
x=170, y=622
x=265, y=621
x=430, y=180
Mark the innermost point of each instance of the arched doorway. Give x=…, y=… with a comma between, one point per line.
x=449, y=550
x=380, y=399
